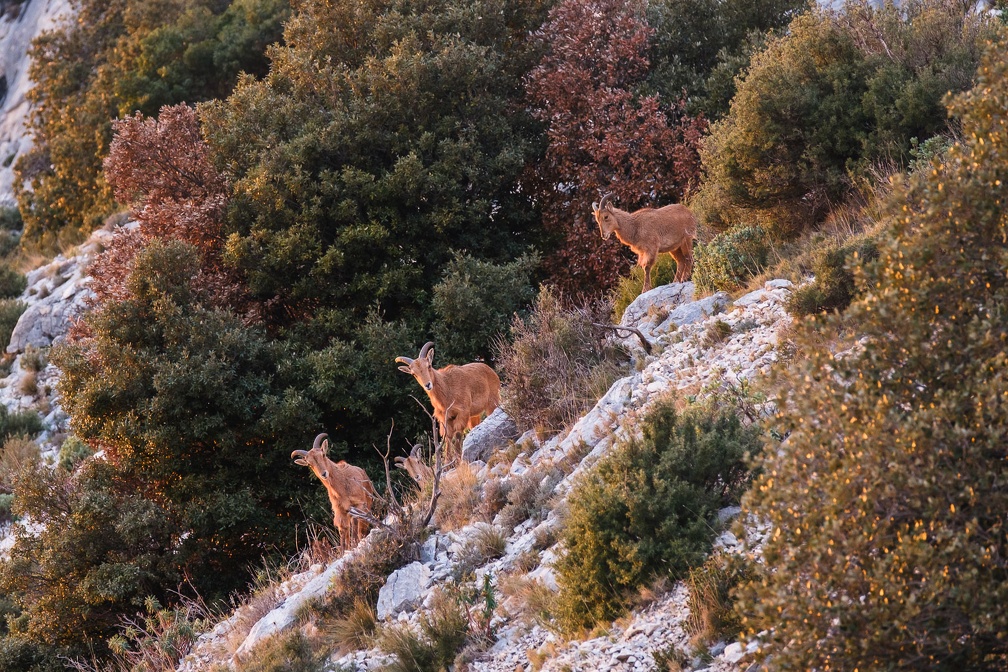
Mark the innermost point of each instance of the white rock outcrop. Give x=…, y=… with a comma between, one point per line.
x=496, y=431
x=404, y=590
x=17, y=30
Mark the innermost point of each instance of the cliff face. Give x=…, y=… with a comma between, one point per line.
x=19, y=25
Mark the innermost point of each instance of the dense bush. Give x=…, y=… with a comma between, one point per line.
x=73, y=452
x=10, y=313
x=10, y=218
x=118, y=57
x=833, y=286
x=194, y=418
x=475, y=302
x=840, y=92
x=648, y=508
x=15, y=423
x=887, y=500
x=20, y=655
x=558, y=364
x=730, y=259
x=701, y=45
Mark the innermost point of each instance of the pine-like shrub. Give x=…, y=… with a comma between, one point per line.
x=888, y=499
x=730, y=259
x=833, y=286
x=648, y=509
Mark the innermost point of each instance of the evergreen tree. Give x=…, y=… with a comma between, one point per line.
x=195, y=484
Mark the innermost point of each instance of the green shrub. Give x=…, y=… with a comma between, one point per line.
x=10, y=218
x=23, y=423
x=648, y=509
x=728, y=261
x=887, y=501
x=10, y=313
x=833, y=287
x=73, y=452
x=20, y=654
x=12, y=282
x=558, y=365
x=629, y=288
x=476, y=301
x=923, y=153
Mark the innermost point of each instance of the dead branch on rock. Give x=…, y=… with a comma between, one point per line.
x=645, y=343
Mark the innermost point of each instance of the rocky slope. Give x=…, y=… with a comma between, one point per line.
x=56, y=292
x=699, y=346
x=20, y=23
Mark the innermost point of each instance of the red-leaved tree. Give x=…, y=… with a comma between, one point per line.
x=162, y=169
x=603, y=137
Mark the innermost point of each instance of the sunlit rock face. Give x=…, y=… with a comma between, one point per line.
x=20, y=23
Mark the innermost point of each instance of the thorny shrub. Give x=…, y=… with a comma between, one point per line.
x=559, y=363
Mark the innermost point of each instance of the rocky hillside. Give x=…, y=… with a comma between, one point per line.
x=699, y=346
x=56, y=292
x=20, y=23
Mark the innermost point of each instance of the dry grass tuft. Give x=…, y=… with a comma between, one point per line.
x=460, y=498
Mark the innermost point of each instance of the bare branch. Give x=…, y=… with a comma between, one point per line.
x=645, y=343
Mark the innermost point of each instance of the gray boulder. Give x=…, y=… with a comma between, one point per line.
x=496, y=431
x=650, y=308
x=404, y=590
x=694, y=311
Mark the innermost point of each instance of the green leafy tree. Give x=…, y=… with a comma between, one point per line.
x=888, y=498
x=370, y=155
x=117, y=57
x=371, y=151
x=699, y=46
x=196, y=484
x=475, y=303
x=821, y=105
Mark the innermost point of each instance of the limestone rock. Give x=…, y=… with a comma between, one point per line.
x=404, y=590
x=496, y=430
x=652, y=303
x=693, y=312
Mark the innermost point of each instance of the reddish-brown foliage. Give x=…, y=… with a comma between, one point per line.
x=162, y=168
x=602, y=136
